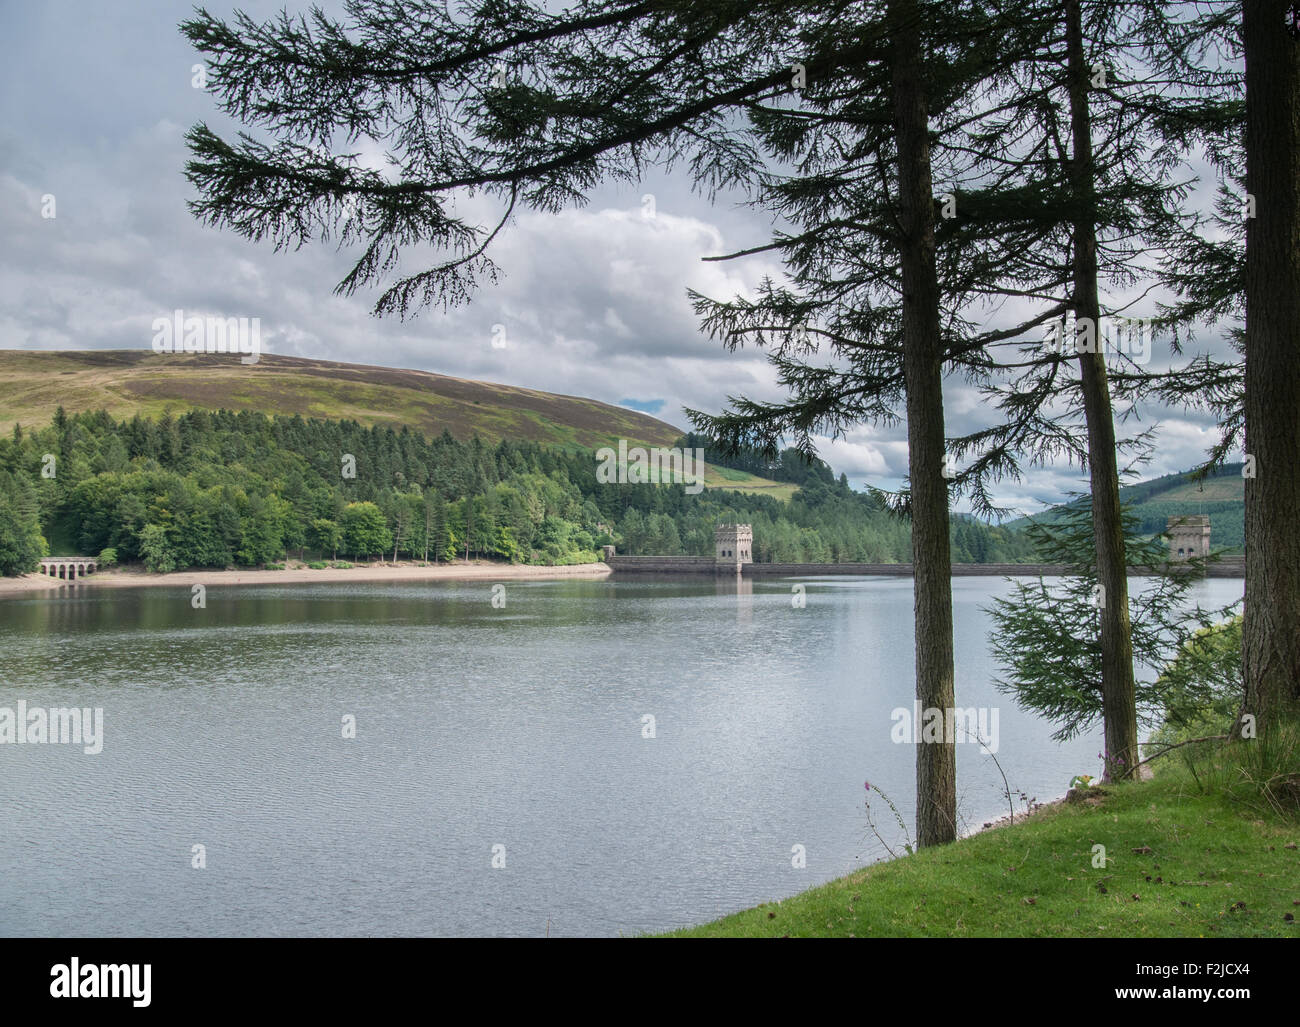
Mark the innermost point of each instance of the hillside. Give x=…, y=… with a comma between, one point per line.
x=33, y=384
x=1153, y=502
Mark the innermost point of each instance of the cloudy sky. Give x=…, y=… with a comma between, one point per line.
x=96, y=97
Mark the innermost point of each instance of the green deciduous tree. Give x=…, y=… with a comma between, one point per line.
x=326, y=536
x=156, y=549
x=365, y=531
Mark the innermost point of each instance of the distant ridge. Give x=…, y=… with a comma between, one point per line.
x=1222, y=495
x=34, y=383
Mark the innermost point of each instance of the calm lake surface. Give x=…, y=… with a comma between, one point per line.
x=476, y=727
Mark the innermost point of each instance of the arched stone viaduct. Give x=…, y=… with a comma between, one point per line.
x=69, y=568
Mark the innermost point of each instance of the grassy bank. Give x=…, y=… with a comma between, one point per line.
x=1187, y=855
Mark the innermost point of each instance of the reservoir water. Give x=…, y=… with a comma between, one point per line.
x=504, y=777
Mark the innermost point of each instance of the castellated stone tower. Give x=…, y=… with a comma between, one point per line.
x=733, y=545
x=1189, y=536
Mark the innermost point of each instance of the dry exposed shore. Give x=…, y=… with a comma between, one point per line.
x=36, y=584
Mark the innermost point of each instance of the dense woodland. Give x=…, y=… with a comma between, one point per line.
x=242, y=489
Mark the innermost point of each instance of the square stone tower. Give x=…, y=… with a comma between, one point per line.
x=1189, y=536
x=733, y=545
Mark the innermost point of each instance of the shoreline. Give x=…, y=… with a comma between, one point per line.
x=1227, y=567
x=37, y=585
x=1008, y=819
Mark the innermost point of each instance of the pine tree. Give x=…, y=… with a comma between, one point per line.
x=1271, y=625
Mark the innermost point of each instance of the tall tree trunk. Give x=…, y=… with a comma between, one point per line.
x=1119, y=699
x=936, y=761
x=1271, y=626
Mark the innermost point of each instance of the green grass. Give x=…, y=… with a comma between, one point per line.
x=782, y=491
x=1215, y=490
x=1183, y=860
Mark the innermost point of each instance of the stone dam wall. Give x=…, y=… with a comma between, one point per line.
x=1226, y=567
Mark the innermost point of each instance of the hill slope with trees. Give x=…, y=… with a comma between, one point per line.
x=243, y=489
x=1221, y=495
